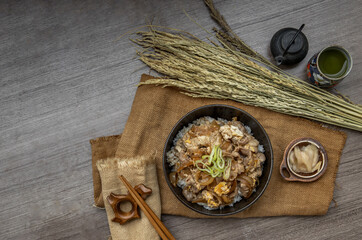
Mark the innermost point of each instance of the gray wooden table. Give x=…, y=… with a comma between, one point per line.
x=64, y=79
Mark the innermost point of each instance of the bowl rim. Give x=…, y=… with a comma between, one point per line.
x=212, y=212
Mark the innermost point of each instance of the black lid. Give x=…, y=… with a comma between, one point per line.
x=297, y=50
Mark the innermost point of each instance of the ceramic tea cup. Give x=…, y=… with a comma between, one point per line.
x=329, y=67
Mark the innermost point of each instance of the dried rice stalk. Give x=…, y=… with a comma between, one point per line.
x=227, y=36
x=204, y=70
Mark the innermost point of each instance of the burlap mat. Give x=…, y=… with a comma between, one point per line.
x=155, y=111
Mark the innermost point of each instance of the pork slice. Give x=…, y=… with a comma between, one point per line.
x=239, y=125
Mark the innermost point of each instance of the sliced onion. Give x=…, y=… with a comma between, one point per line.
x=217, y=197
x=184, y=173
x=242, y=180
x=199, y=200
x=249, y=194
x=226, y=199
x=197, y=175
x=225, y=145
x=206, y=179
x=246, y=178
x=185, y=165
x=233, y=186
x=247, y=184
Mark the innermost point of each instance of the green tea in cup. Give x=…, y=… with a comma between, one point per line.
x=333, y=63
x=329, y=67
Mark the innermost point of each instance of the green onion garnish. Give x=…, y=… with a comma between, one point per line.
x=215, y=166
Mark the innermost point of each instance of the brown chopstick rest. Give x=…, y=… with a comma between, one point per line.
x=115, y=200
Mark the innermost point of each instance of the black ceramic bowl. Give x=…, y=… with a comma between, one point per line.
x=226, y=112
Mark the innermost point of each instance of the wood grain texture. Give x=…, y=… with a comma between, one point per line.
x=65, y=78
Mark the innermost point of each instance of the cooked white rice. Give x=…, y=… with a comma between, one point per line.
x=248, y=129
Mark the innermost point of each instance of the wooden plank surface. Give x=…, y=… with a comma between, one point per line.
x=65, y=78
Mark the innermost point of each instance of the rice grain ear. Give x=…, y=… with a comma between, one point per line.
x=200, y=69
x=227, y=36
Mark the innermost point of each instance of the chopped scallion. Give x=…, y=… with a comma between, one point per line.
x=215, y=166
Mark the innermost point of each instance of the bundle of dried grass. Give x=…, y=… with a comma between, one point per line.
x=204, y=70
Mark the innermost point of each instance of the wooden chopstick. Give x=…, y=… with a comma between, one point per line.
x=155, y=221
